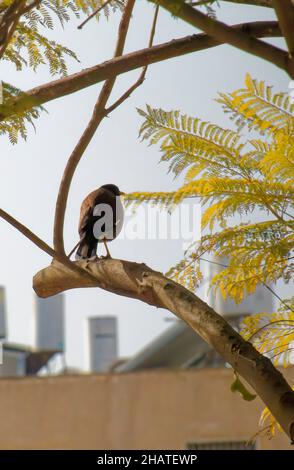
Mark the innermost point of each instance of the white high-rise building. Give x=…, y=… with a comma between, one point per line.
x=102, y=342
x=49, y=323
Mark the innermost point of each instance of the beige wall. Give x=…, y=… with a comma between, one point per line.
x=161, y=409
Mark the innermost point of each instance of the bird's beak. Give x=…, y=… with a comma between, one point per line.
x=121, y=193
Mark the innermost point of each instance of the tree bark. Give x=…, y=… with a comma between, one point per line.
x=226, y=34
x=119, y=65
x=285, y=13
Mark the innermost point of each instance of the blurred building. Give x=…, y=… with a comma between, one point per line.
x=2, y=313
x=102, y=342
x=169, y=408
x=49, y=323
x=20, y=360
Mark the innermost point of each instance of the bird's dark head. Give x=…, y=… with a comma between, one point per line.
x=113, y=189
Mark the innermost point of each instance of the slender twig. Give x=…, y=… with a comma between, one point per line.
x=142, y=76
x=266, y=325
x=27, y=233
x=238, y=267
x=272, y=210
x=266, y=431
x=283, y=348
x=277, y=296
x=287, y=332
x=262, y=282
x=226, y=266
x=258, y=3
x=278, y=354
x=75, y=248
x=95, y=12
x=119, y=65
x=97, y=116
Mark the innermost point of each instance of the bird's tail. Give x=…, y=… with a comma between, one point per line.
x=86, y=250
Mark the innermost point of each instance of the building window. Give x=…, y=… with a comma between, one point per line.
x=221, y=445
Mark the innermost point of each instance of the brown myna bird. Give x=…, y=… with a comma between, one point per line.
x=101, y=220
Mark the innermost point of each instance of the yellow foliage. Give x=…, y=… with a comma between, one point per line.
x=258, y=107
x=30, y=47
x=231, y=177
x=272, y=334
x=269, y=425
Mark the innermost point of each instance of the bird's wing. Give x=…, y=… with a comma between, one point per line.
x=86, y=212
x=99, y=196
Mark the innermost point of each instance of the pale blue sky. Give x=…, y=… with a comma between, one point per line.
x=30, y=172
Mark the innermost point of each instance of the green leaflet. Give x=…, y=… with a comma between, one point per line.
x=238, y=386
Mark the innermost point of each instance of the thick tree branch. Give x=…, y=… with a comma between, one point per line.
x=119, y=65
x=226, y=34
x=285, y=13
x=97, y=116
x=142, y=283
x=8, y=21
